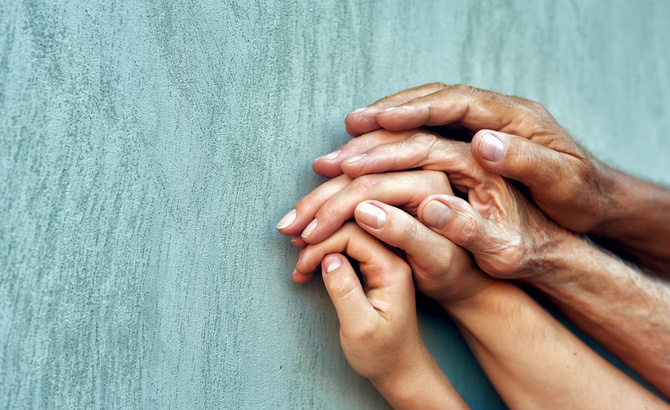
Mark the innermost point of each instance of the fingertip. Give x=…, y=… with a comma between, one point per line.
x=489, y=146
x=301, y=277
x=436, y=210
x=297, y=241
x=327, y=167
x=400, y=118
x=370, y=214
x=331, y=263
x=436, y=214
x=358, y=123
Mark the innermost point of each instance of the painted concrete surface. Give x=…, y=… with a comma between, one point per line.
x=148, y=148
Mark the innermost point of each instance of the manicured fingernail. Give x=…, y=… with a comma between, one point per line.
x=360, y=110
x=491, y=148
x=287, y=220
x=310, y=228
x=436, y=214
x=390, y=109
x=370, y=215
x=331, y=263
x=332, y=155
x=355, y=158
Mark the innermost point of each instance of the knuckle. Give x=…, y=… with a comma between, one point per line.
x=438, y=84
x=438, y=178
x=465, y=89
x=405, y=232
x=367, y=183
x=364, y=331
x=344, y=286
x=422, y=139
x=467, y=229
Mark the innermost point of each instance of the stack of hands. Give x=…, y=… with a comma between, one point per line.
x=532, y=195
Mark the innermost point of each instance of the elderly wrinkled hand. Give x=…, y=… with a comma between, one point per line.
x=526, y=144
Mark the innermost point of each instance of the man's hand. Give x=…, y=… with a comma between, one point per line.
x=615, y=304
x=530, y=147
x=507, y=235
x=526, y=144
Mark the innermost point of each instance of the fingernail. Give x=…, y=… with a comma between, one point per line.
x=295, y=272
x=390, y=109
x=491, y=148
x=310, y=228
x=360, y=110
x=332, y=155
x=295, y=238
x=331, y=263
x=370, y=215
x=287, y=220
x=355, y=158
x=436, y=214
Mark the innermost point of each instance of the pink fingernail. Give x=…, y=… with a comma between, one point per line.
x=310, y=228
x=436, y=214
x=360, y=110
x=332, y=155
x=491, y=148
x=333, y=262
x=354, y=159
x=370, y=215
x=287, y=220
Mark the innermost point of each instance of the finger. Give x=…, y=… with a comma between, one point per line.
x=425, y=248
x=365, y=119
x=297, y=241
x=345, y=290
x=380, y=266
x=329, y=165
x=518, y=158
x=303, y=212
x=442, y=270
x=457, y=221
x=420, y=150
x=471, y=107
x=401, y=230
x=404, y=189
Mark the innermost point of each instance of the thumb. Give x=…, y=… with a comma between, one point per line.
x=457, y=221
x=519, y=158
x=344, y=289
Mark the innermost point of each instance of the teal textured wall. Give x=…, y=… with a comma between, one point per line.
x=148, y=148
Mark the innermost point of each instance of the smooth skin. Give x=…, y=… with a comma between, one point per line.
x=574, y=189
x=379, y=333
x=623, y=309
x=532, y=360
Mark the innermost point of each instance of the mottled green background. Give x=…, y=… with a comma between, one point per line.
x=148, y=148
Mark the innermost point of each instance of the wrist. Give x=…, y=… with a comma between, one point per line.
x=420, y=385
x=612, y=198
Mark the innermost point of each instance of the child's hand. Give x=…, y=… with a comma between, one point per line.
x=378, y=325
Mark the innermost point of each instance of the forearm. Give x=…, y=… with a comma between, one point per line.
x=534, y=362
x=635, y=218
x=623, y=309
x=423, y=386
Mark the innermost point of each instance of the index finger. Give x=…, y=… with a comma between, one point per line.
x=472, y=108
x=364, y=119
